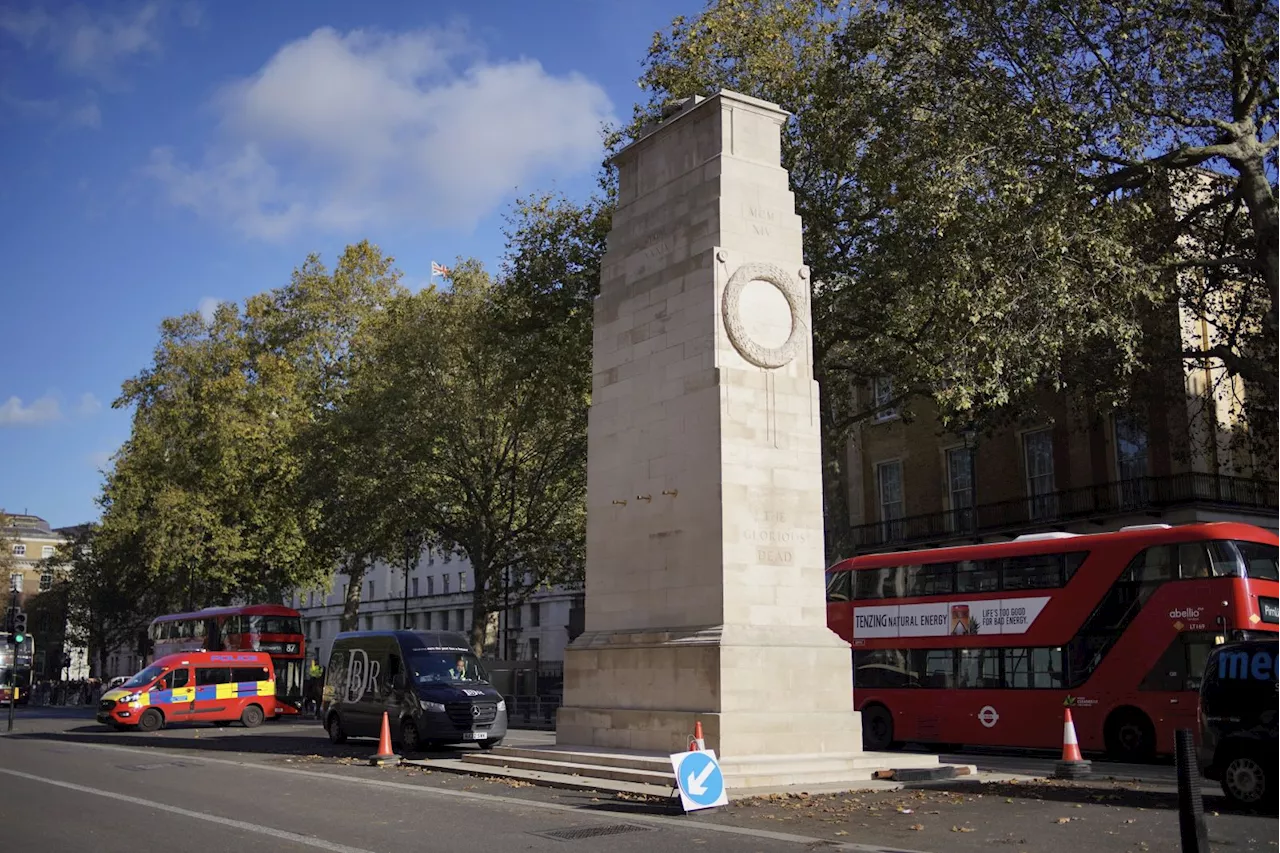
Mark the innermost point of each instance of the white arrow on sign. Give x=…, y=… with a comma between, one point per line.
x=696, y=783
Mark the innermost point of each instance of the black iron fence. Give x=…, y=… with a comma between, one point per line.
x=1153, y=495
x=532, y=712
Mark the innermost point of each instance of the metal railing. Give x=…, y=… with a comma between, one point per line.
x=1153, y=495
x=532, y=712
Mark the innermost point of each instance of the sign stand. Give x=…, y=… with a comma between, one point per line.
x=699, y=780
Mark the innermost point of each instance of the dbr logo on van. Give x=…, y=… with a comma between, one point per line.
x=699, y=779
x=362, y=676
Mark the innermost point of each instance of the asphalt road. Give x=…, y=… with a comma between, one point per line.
x=67, y=783
x=70, y=785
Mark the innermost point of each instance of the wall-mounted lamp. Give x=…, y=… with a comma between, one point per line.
x=619, y=503
x=646, y=498
x=672, y=492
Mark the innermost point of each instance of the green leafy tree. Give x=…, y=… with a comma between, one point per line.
x=109, y=595
x=484, y=445
x=995, y=197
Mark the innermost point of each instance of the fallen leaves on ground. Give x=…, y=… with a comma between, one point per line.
x=916, y=827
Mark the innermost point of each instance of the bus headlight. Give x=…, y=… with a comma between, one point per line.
x=431, y=706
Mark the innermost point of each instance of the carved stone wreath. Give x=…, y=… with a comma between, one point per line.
x=753, y=352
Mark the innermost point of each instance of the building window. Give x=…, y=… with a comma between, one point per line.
x=444, y=583
x=415, y=587
x=431, y=585
x=1038, y=452
x=462, y=617
x=412, y=621
x=516, y=615
x=19, y=550
x=882, y=396
x=1131, y=460
x=535, y=614
x=368, y=623
x=889, y=486
x=46, y=580
x=426, y=620
x=534, y=648
x=371, y=595
x=960, y=486
x=46, y=552
x=462, y=581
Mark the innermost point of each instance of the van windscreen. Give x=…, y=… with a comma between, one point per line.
x=435, y=665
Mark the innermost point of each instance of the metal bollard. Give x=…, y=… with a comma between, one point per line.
x=1194, y=831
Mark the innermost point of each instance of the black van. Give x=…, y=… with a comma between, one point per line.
x=432, y=687
x=1238, y=699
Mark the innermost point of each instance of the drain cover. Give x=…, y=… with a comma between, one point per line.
x=577, y=833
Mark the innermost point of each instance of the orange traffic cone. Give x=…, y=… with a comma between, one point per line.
x=385, y=755
x=1072, y=765
x=697, y=744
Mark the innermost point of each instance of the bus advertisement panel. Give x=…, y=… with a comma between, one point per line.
x=271, y=628
x=986, y=644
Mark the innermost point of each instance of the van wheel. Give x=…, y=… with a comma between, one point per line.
x=877, y=728
x=1247, y=782
x=252, y=717
x=409, y=740
x=150, y=720
x=1130, y=736
x=336, y=732
x=489, y=744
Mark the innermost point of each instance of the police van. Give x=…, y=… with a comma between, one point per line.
x=1238, y=703
x=431, y=686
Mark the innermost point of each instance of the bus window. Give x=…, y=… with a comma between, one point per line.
x=1038, y=571
x=1259, y=560
x=931, y=579
x=1193, y=560
x=838, y=585
x=1033, y=668
x=890, y=668
x=978, y=668
x=938, y=668
x=1181, y=667
x=980, y=576
x=1152, y=566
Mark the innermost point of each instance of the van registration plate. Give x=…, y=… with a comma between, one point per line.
x=475, y=735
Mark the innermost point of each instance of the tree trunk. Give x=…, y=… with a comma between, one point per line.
x=481, y=609
x=355, y=569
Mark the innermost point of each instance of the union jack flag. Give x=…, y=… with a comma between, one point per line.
x=437, y=269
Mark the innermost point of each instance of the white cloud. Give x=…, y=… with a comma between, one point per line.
x=208, y=305
x=86, y=116
x=88, y=405
x=41, y=411
x=338, y=132
x=90, y=43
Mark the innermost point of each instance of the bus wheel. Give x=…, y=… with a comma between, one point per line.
x=150, y=720
x=1130, y=735
x=877, y=728
x=334, y=728
x=251, y=717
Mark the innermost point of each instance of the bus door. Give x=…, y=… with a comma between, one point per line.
x=1166, y=686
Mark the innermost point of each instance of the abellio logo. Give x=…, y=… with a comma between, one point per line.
x=1189, y=613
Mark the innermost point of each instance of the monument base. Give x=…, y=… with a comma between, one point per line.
x=650, y=773
x=758, y=691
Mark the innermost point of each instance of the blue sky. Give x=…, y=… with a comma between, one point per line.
x=156, y=157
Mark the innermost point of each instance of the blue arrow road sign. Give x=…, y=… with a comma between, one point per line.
x=699, y=779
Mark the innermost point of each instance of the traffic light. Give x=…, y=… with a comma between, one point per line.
x=19, y=626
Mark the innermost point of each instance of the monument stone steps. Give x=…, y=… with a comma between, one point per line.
x=751, y=773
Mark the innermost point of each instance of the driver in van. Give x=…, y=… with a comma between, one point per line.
x=459, y=671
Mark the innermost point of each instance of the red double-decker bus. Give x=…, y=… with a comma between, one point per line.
x=983, y=645
x=270, y=628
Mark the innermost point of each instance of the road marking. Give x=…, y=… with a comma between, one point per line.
x=212, y=818
x=679, y=824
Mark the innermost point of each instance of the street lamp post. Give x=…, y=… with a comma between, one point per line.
x=410, y=541
x=971, y=444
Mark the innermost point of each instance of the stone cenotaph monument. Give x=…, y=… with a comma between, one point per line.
x=704, y=581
